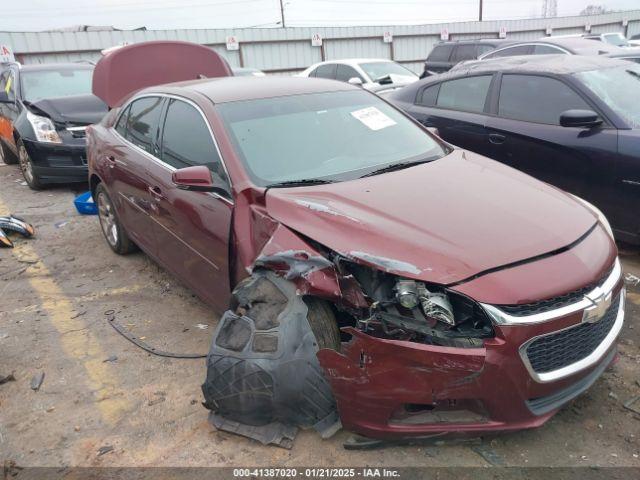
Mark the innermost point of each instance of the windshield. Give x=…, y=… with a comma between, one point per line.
x=331, y=135
x=616, y=39
x=619, y=88
x=376, y=70
x=40, y=84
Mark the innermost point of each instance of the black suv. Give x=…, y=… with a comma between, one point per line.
x=44, y=111
x=570, y=120
x=446, y=54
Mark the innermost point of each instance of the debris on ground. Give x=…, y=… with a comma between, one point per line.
x=36, y=381
x=629, y=404
x=111, y=359
x=7, y=379
x=105, y=449
x=160, y=399
x=202, y=326
x=489, y=455
x=79, y=314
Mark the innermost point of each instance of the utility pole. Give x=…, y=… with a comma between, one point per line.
x=480, y=12
x=282, y=14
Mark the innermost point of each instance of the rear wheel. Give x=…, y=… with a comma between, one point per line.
x=7, y=155
x=112, y=229
x=26, y=166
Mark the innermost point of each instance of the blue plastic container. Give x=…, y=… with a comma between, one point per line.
x=85, y=205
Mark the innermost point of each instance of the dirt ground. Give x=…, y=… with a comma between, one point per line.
x=100, y=390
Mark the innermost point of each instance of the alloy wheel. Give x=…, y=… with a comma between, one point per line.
x=25, y=165
x=107, y=219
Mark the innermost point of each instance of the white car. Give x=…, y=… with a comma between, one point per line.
x=375, y=74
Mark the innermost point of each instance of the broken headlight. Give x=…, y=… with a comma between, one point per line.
x=437, y=306
x=43, y=128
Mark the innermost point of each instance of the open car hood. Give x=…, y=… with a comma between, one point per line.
x=125, y=70
x=76, y=109
x=440, y=222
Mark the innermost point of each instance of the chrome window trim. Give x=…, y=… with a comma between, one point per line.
x=502, y=318
x=586, y=362
x=76, y=129
x=528, y=44
x=159, y=161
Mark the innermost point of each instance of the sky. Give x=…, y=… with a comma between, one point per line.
x=34, y=15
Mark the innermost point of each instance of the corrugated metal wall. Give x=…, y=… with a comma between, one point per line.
x=288, y=50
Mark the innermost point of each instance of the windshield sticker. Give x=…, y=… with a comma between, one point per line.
x=373, y=118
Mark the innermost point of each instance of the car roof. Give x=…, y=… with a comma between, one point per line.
x=42, y=67
x=233, y=89
x=558, y=64
x=490, y=41
x=580, y=45
x=355, y=61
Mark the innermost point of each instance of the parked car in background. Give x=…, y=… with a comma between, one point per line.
x=612, y=38
x=377, y=75
x=634, y=40
x=322, y=206
x=247, y=71
x=44, y=112
x=572, y=121
x=446, y=54
x=562, y=45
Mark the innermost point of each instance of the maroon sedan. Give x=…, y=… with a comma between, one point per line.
x=366, y=269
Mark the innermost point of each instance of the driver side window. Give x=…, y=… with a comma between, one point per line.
x=187, y=141
x=7, y=84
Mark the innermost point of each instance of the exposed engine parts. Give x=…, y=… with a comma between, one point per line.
x=14, y=224
x=434, y=305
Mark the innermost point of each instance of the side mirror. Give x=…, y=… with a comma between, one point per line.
x=355, y=81
x=4, y=97
x=580, y=118
x=196, y=179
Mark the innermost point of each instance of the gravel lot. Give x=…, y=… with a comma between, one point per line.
x=102, y=392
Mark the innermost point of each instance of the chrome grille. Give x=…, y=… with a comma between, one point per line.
x=563, y=348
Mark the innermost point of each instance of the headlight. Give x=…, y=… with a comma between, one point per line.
x=601, y=218
x=44, y=128
x=410, y=293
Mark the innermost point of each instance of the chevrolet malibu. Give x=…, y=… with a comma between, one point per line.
x=369, y=275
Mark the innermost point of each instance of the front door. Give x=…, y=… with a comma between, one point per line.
x=526, y=134
x=192, y=228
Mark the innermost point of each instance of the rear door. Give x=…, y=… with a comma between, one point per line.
x=526, y=134
x=128, y=162
x=192, y=228
x=456, y=108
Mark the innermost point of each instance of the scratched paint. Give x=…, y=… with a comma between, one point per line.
x=320, y=207
x=386, y=264
x=76, y=339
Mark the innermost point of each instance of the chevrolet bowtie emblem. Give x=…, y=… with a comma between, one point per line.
x=600, y=303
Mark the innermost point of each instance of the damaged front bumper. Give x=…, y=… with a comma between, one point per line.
x=392, y=389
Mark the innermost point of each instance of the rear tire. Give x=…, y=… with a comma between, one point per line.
x=26, y=166
x=112, y=229
x=7, y=155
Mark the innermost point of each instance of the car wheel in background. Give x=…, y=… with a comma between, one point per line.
x=26, y=166
x=112, y=229
x=7, y=155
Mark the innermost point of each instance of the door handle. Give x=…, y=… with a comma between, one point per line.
x=496, y=138
x=156, y=193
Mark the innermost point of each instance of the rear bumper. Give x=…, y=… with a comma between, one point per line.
x=393, y=389
x=58, y=163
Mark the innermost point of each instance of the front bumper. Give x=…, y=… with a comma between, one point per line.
x=58, y=163
x=390, y=389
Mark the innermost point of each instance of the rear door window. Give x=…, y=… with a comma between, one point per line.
x=464, y=94
x=464, y=52
x=187, y=141
x=537, y=99
x=142, y=123
x=547, y=50
x=328, y=70
x=510, y=51
x=344, y=73
x=429, y=96
x=440, y=53
x=121, y=126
